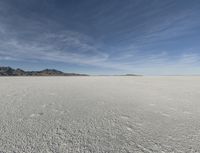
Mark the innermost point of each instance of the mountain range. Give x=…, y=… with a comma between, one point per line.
x=8, y=71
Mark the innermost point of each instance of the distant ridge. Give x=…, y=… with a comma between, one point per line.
x=8, y=71
x=133, y=75
x=120, y=75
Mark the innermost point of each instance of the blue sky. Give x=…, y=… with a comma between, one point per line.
x=151, y=37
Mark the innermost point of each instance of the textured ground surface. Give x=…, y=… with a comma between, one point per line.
x=100, y=114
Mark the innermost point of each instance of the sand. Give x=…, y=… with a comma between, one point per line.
x=100, y=114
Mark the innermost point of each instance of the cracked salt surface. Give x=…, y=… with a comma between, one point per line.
x=99, y=114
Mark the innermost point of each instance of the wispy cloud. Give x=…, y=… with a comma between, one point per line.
x=65, y=46
x=76, y=48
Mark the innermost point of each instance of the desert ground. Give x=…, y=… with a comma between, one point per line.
x=99, y=114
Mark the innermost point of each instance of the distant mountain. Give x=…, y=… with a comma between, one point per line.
x=8, y=71
x=132, y=75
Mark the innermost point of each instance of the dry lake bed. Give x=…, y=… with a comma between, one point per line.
x=100, y=114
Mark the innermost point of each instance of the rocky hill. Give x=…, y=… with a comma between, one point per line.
x=8, y=71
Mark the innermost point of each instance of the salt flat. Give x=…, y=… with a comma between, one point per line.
x=100, y=114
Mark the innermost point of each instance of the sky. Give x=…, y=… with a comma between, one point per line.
x=149, y=37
